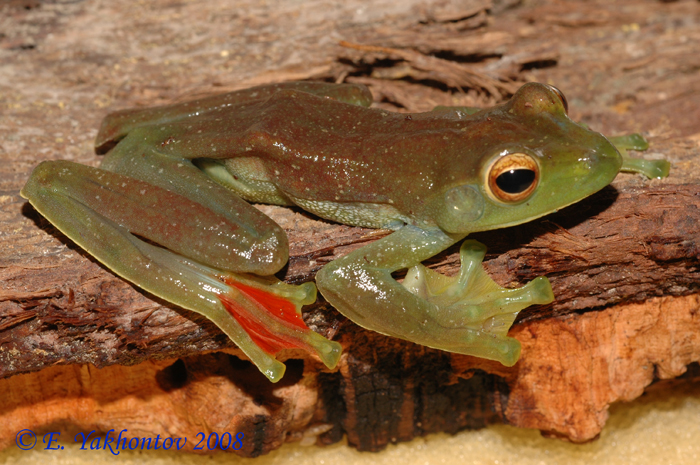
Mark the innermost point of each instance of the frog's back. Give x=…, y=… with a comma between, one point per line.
x=117, y=125
x=343, y=161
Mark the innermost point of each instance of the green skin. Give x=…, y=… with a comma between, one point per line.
x=178, y=176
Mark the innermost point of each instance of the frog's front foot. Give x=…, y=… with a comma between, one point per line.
x=649, y=168
x=473, y=311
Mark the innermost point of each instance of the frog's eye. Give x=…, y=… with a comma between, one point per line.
x=561, y=96
x=513, y=177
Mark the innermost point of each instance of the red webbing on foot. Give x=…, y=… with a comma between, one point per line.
x=278, y=307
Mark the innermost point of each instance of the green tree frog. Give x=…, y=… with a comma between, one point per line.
x=168, y=208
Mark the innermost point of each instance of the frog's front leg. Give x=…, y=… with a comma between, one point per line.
x=468, y=314
x=648, y=168
x=219, y=242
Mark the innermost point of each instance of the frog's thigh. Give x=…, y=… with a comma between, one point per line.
x=198, y=217
x=214, y=238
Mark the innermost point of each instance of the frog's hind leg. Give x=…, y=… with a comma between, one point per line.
x=260, y=314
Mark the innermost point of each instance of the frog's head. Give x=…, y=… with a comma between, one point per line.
x=533, y=161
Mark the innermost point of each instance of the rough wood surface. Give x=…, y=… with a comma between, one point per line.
x=625, y=66
x=385, y=390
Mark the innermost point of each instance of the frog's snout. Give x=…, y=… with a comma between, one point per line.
x=609, y=158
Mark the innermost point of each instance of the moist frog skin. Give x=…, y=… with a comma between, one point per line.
x=168, y=208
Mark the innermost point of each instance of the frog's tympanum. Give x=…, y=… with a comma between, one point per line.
x=168, y=209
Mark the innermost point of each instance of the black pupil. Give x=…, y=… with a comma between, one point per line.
x=515, y=181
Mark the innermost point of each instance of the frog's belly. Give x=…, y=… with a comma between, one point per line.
x=253, y=189
x=369, y=215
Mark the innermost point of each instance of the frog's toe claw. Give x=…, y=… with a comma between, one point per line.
x=473, y=310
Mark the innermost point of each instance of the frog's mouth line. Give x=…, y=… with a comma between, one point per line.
x=532, y=218
x=583, y=196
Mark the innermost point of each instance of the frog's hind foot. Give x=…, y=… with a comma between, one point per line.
x=261, y=315
x=269, y=311
x=474, y=312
